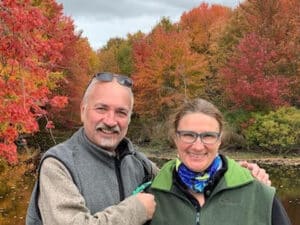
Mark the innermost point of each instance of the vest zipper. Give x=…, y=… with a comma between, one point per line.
x=198, y=217
x=119, y=178
x=197, y=206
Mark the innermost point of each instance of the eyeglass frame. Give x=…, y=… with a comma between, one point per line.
x=108, y=77
x=179, y=134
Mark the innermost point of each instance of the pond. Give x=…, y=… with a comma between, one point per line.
x=16, y=184
x=286, y=179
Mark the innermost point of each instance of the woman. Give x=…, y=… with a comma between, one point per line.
x=203, y=187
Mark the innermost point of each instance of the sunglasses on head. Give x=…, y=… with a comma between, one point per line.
x=108, y=77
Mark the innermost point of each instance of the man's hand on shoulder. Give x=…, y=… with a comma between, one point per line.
x=259, y=173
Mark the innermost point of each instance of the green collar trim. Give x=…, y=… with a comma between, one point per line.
x=234, y=176
x=164, y=179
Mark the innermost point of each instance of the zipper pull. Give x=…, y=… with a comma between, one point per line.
x=142, y=187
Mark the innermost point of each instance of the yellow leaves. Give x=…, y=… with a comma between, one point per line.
x=204, y=25
x=53, y=77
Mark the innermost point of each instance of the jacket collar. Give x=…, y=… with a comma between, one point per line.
x=233, y=177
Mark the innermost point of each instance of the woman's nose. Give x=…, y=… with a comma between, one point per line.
x=198, y=143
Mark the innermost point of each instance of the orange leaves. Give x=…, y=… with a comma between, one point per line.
x=32, y=39
x=59, y=101
x=9, y=152
x=14, y=119
x=79, y=63
x=173, y=61
x=204, y=24
x=165, y=68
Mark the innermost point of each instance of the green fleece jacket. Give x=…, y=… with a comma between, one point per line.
x=238, y=199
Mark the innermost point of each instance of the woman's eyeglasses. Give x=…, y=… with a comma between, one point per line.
x=108, y=77
x=190, y=137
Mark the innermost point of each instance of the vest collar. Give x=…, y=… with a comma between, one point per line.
x=124, y=148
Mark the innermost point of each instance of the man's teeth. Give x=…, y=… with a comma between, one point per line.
x=197, y=154
x=106, y=131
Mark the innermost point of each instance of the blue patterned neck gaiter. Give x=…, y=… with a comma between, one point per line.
x=197, y=181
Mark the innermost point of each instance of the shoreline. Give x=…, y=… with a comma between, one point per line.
x=275, y=161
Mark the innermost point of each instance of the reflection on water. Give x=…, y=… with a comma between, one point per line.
x=287, y=183
x=15, y=190
x=292, y=206
x=16, y=185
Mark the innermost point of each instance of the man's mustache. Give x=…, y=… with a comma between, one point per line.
x=103, y=126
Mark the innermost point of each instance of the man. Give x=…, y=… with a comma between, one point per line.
x=89, y=179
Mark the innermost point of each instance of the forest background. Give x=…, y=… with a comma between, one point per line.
x=245, y=60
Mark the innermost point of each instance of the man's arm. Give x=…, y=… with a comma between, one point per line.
x=61, y=203
x=154, y=169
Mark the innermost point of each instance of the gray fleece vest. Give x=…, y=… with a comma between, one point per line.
x=102, y=179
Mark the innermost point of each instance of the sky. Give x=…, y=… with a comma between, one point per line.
x=101, y=20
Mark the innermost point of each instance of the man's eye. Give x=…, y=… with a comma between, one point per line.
x=122, y=113
x=100, y=109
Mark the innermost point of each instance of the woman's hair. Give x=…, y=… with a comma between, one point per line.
x=197, y=105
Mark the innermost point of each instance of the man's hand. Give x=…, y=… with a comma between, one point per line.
x=257, y=172
x=148, y=201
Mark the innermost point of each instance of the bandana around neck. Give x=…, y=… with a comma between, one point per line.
x=197, y=181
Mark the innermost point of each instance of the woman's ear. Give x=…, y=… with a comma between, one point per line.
x=175, y=139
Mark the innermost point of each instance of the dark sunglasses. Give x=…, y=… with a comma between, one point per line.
x=108, y=77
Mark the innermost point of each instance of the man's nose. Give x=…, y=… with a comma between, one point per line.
x=110, y=119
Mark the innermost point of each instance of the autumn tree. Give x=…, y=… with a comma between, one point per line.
x=166, y=70
x=79, y=64
x=204, y=23
x=107, y=56
x=116, y=56
x=205, y=26
x=251, y=79
x=274, y=20
x=32, y=37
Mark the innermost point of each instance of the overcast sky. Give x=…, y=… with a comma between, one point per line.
x=101, y=20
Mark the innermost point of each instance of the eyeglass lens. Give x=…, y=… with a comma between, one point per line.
x=205, y=137
x=108, y=77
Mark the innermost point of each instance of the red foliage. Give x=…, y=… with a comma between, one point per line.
x=9, y=152
x=32, y=38
x=50, y=125
x=59, y=101
x=278, y=21
x=251, y=78
x=78, y=65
